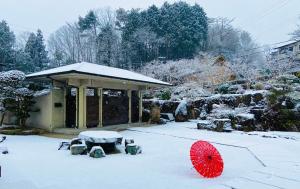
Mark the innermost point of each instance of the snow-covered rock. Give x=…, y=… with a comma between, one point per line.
x=246, y=121
x=205, y=124
x=222, y=125
x=78, y=149
x=181, y=113
x=167, y=116
x=133, y=149
x=97, y=152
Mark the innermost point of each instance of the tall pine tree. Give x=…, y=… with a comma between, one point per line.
x=7, y=41
x=36, y=49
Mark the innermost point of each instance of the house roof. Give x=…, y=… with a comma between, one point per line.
x=97, y=70
x=284, y=44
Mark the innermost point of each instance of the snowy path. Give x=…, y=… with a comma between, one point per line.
x=35, y=163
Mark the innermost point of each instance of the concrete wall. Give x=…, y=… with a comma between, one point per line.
x=51, y=112
x=42, y=118
x=58, y=110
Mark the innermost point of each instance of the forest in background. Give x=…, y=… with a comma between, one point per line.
x=129, y=39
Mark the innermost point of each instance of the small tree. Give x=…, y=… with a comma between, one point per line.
x=22, y=105
x=14, y=97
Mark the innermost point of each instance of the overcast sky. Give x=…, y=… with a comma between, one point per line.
x=269, y=21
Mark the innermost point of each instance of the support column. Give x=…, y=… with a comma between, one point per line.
x=129, y=92
x=81, y=108
x=100, y=94
x=140, y=106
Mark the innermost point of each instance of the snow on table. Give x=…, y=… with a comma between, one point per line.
x=100, y=136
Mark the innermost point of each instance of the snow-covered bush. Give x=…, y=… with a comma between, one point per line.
x=14, y=97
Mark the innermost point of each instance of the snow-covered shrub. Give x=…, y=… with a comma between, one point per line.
x=14, y=97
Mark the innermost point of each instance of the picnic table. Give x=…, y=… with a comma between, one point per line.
x=106, y=139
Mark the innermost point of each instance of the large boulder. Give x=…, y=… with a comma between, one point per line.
x=169, y=106
x=167, y=116
x=181, y=113
x=246, y=121
x=257, y=97
x=193, y=113
x=155, y=114
x=257, y=111
x=222, y=125
x=205, y=124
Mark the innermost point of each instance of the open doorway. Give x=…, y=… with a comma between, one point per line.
x=115, y=107
x=135, y=106
x=71, y=113
x=92, y=108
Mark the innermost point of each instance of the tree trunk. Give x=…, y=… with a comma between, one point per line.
x=2, y=118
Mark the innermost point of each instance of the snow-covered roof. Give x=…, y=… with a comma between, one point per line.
x=286, y=43
x=97, y=70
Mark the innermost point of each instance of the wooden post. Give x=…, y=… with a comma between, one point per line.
x=100, y=94
x=140, y=106
x=129, y=92
x=81, y=108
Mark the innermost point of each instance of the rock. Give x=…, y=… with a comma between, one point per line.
x=155, y=114
x=169, y=106
x=223, y=89
x=78, y=149
x=76, y=141
x=298, y=107
x=257, y=97
x=129, y=141
x=288, y=79
x=246, y=99
x=162, y=121
x=194, y=113
x=97, y=152
x=222, y=125
x=294, y=96
x=233, y=89
x=181, y=114
x=289, y=103
x=268, y=87
x=167, y=116
x=203, y=115
x=3, y=150
x=258, y=112
x=205, y=124
x=247, y=121
x=133, y=149
x=146, y=115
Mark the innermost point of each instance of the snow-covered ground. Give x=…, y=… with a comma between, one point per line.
x=34, y=161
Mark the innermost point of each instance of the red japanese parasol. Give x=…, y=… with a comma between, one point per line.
x=206, y=159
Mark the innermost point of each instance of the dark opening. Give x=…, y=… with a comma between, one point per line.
x=115, y=107
x=134, y=107
x=71, y=107
x=92, y=108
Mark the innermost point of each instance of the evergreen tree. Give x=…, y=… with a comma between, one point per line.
x=176, y=31
x=108, y=50
x=7, y=40
x=36, y=49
